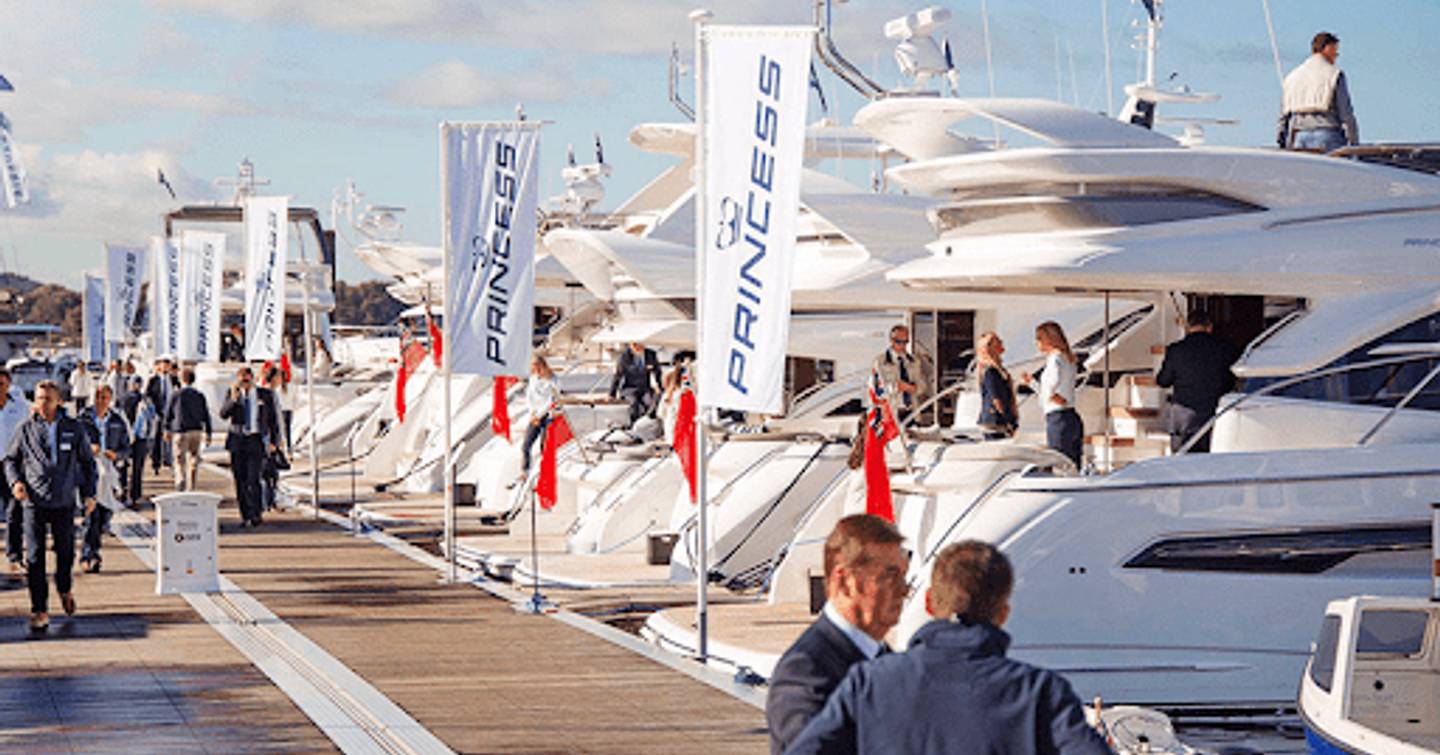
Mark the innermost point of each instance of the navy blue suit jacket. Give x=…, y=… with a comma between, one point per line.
x=804, y=677
x=952, y=692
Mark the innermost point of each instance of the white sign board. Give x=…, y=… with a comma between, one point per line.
x=186, y=543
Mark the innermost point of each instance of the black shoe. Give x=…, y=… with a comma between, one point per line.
x=93, y=567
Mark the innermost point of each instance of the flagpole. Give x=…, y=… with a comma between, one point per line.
x=446, y=357
x=702, y=574
x=310, y=397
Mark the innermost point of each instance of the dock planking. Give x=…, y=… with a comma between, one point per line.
x=461, y=662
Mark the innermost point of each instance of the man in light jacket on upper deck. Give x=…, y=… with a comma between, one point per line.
x=1315, y=113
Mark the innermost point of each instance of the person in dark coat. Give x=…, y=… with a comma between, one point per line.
x=864, y=591
x=998, y=415
x=13, y=410
x=184, y=419
x=637, y=379
x=1197, y=369
x=163, y=384
x=253, y=427
x=232, y=345
x=954, y=691
x=47, y=463
x=109, y=435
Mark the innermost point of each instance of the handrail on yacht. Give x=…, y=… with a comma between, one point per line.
x=1321, y=373
x=840, y=478
x=944, y=539
x=838, y=382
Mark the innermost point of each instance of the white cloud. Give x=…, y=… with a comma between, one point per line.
x=455, y=84
x=103, y=195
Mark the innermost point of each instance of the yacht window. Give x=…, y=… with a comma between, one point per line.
x=1322, y=661
x=1053, y=207
x=1304, y=552
x=1392, y=632
x=1383, y=385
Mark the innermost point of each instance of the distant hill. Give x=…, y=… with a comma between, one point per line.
x=27, y=300
x=365, y=303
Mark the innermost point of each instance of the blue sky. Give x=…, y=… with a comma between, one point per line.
x=316, y=92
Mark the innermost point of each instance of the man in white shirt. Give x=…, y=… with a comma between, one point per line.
x=13, y=409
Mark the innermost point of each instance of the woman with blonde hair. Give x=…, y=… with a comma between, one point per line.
x=998, y=416
x=541, y=397
x=1064, y=431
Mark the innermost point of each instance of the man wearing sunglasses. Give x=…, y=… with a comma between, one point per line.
x=905, y=377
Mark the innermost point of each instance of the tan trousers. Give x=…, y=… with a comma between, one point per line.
x=187, y=458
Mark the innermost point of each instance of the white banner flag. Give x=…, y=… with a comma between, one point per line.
x=167, y=308
x=489, y=199
x=14, y=173
x=93, y=319
x=753, y=131
x=202, y=264
x=266, y=240
x=124, y=272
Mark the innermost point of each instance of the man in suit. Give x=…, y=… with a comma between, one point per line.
x=161, y=387
x=109, y=437
x=954, y=691
x=251, y=411
x=1197, y=369
x=184, y=418
x=864, y=590
x=637, y=379
x=47, y=463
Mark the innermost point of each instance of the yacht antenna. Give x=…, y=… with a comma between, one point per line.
x=678, y=69
x=244, y=182
x=1105, y=42
x=830, y=55
x=1274, y=46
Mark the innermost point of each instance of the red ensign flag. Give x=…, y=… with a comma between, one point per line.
x=557, y=434
x=877, y=472
x=685, y=440
x=402, y=375
x=436, y=340
x=500, y=412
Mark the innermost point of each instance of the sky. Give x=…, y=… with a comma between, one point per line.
x=320, y=92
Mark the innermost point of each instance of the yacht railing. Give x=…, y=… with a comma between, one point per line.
x=944, y=539
x=1324, y=373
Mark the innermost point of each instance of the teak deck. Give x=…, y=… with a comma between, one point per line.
x=138, y=672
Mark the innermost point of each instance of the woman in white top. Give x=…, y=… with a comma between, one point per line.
x=541, y=396
x=1063, y=430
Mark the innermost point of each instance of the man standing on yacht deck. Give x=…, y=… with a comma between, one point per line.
x=905, y=375
x=1315, y=113
x=1197, y=370
x=864, y=591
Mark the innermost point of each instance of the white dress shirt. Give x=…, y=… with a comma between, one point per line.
x=1058, y=379
x=867, y=645
x=11, y=415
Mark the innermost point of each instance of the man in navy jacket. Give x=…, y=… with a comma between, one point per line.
x=954, y=691
x=47, y=463
x=864, y=590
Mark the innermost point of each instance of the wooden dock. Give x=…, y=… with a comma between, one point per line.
x=138, y=672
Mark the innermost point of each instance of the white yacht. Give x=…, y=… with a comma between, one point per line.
x=1190, y=578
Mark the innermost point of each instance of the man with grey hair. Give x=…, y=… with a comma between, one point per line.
x=954, y=691
x=47, y=463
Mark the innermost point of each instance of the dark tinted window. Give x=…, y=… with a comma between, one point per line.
x=1374, y=386
x=1394, y=632
x=1322, y=662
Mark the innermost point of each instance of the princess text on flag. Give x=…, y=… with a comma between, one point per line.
x=557, y=434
